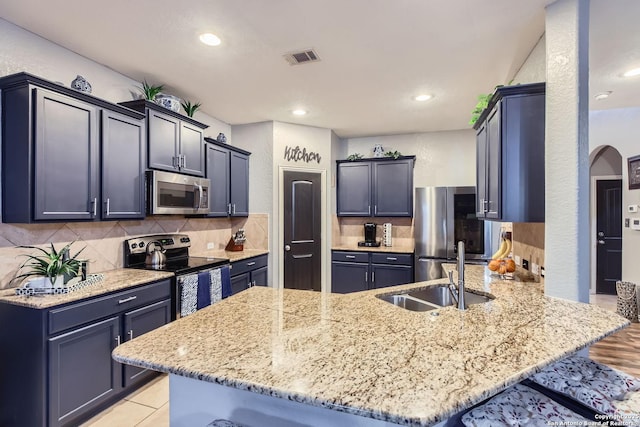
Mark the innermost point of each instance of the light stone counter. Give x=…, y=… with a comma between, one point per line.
x=114, y=280
x=357, y=354
x=399, y=249
x=232, y=256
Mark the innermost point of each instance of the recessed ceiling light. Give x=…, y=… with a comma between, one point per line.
x=632, y=73
x=423, y=97
x=299, y=112
x=603, y=95
x=210, y=39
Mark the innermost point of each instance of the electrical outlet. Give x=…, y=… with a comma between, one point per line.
x=210, y=245
x=626, y=222
x=541, y=271
x=534, y=268
x=518, y=260
x=525, y=264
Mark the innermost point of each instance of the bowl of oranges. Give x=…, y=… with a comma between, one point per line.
x=502, y=266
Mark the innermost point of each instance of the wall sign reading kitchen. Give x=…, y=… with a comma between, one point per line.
x=297, y=155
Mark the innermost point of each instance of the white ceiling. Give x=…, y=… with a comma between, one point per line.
x=375, y=54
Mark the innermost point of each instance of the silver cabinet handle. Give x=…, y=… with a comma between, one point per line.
x=175, y=161
x=229, y=208
x=108, y=211
x=131, y=298
x=95, y=206
x=373, y=277
x=184, y=161
x=350, y=256
x=366, y=276
x=390, y=258
x=130, y=334
x=118, y=340
x=375, y=210
x=369, y=209
x=234, y=208
x=249, y=264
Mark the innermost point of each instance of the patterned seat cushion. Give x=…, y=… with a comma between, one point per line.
x=519, y=406
x=595, y=385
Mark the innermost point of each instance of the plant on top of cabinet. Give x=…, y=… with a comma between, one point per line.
x=150, y=91
x=190, y=108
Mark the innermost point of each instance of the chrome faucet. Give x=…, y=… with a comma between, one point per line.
x=457, y=293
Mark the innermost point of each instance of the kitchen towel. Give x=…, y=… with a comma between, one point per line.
x=204, y=289
x=225, y=274
x=216, y=285
x=189, y=295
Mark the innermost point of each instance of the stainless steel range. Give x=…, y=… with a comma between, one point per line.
x=188, y=294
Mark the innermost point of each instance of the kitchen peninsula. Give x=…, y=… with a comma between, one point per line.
x=329, y=359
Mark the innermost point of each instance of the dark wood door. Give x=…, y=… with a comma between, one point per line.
x=82, y=374
x=608, y=235
x=66, y=158
x=139, y=322
x=192, y=149
x=302, y=220
x=164, y=134
x=218, y=174
x=354, y=189
x=239, y=184
x=349, y=277
x=393, y=188
x=123, y=175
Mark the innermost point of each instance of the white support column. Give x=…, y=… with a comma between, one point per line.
x=567, y=151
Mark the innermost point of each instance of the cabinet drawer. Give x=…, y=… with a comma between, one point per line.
x=350, y=256
x=96, y=308
x=240, y=267
x=388, y=258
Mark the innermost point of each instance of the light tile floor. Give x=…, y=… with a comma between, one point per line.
x=149, y=406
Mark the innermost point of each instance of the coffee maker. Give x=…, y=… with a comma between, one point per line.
x=369, y=235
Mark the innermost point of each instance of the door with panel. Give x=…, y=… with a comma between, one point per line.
x=139, y=322
x=164, y=134
x=82, y=373
x=191, y=149
x=494, y=164
x=123, y=175
x=219, y=175
x=354, y=189
x=349, y=277
x=393, y=188
x=66, y=158
x=239, y=191
x=302, y=222
x=609, y=235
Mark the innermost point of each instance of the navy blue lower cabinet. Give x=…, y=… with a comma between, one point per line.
x=353, y=271
x=239, y=283
x=82, y=374
x=260, y=277
x=249, y=272
x=390, y=275
x=349, y=277
x=56, y=368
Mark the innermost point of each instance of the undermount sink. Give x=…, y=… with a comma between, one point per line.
x=430, y=298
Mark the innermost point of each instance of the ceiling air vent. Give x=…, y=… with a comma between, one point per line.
x=301, y=57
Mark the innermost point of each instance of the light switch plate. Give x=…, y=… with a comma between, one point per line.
x=534, y=268
x=518, y=260
x=209, y=245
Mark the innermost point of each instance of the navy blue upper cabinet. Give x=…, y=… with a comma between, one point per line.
x=375, y=187
x=175, y=142
x=228, y=171
x=51, y=154
x=510, y=155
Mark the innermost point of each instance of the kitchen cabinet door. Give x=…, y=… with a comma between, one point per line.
x=191, y=149
x=260, y=276
x=349, y=277
x=481, y=171
x=354, y=189
x=66, y=158
x=494, y=165
x=219, y=175
x=239, y=184
x=123, y=184
x=163, y=134
x=393, y=188
x=82, y=374
x=383, y=275
x=240, y=282
x=139, y=322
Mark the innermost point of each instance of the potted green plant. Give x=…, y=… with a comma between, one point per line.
x=52, y=265
x=150, y=91
x=190, y=108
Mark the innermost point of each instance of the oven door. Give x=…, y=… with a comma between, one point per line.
x=200, y=289
x=173, y=193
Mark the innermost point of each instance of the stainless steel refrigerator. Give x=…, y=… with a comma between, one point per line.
x=443, y=216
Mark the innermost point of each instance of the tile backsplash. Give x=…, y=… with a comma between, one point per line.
x=528, y=241
x=349, y=231
x=103, y=240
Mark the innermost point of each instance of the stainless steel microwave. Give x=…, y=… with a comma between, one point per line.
x=174, y=193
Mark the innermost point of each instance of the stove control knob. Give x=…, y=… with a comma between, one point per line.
x=134, y=245
x=141, y=244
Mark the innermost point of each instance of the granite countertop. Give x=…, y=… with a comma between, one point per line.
x=398, y=249
x=358, y=354
x=232, y=256
x=114, y=280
